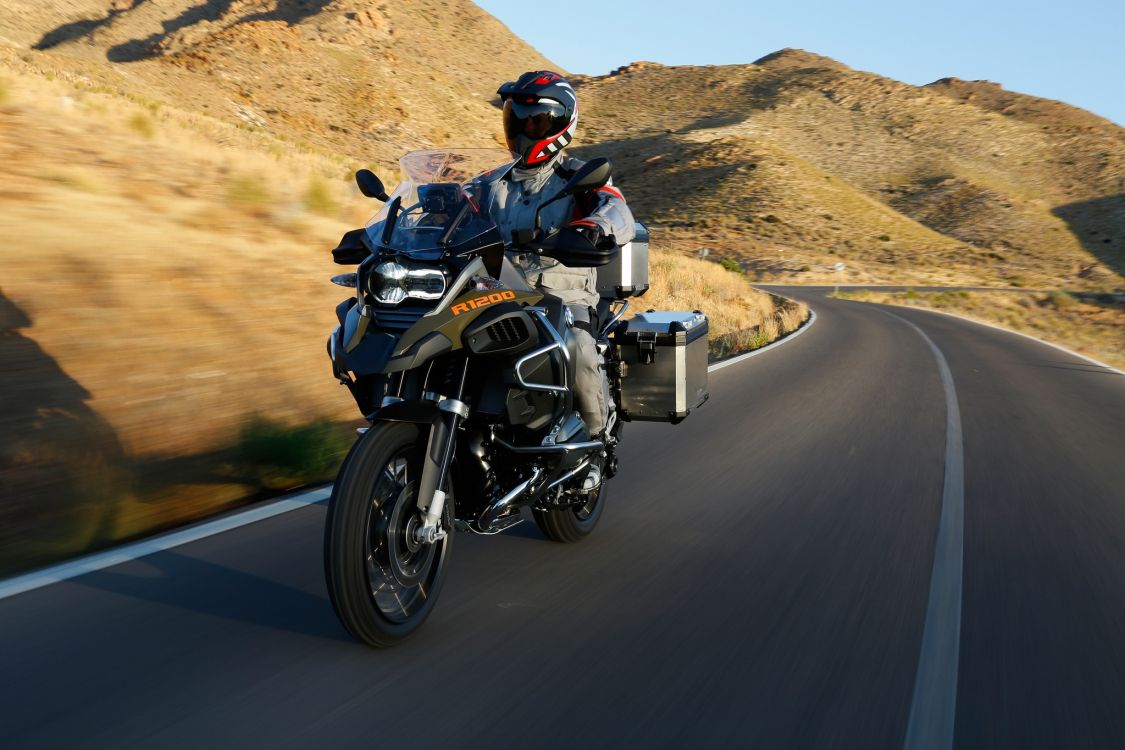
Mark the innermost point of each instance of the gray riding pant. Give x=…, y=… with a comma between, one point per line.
x=591, y=389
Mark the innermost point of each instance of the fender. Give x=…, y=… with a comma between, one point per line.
x=418, y=411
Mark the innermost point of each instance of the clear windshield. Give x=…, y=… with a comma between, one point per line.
x=441, y=192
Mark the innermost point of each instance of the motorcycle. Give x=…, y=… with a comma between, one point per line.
x=463, y=373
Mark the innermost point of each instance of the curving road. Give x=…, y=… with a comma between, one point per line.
x=766, y=576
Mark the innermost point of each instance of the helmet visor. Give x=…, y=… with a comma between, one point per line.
x=535, y=121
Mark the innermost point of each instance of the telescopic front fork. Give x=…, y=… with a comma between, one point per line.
x=439, y=457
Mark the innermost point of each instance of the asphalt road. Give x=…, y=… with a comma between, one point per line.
x=760, y=579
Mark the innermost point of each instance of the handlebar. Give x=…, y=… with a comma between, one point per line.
x=571, y=248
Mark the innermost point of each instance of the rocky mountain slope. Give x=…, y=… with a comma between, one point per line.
x=356, y=78
x=799, y=160
x=793, y=162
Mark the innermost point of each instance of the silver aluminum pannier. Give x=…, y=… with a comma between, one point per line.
x=627, y=274
x=664, y=373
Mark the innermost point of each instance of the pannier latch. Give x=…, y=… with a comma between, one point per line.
x=646, y=347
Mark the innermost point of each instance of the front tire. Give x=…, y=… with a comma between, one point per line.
x=382, y=583
x=573, y=523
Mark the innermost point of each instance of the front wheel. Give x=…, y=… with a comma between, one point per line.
x=382, y=582
x=573, y=523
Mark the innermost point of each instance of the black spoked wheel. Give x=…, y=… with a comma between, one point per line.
x=575, y=522
x=382, y=581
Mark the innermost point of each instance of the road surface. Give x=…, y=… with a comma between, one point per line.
x=763, y=577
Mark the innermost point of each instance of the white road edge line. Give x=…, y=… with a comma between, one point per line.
x=994, y=326
x=117, y=555
x=742, y=357
x=934, y=705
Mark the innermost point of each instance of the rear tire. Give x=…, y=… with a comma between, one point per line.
x=573, y=524
x=382, y=584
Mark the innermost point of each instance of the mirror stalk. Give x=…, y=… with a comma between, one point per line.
x=389, y=222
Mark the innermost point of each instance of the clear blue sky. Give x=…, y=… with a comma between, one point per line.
x=1073, y=50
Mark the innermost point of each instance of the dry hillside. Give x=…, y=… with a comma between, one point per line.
x=799, y=161
x=366, y=80
x=165, y=223
x=174, y=172
x=793, y=162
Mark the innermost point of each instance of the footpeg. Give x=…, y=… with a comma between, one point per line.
x=500, y=524
x=507, y=522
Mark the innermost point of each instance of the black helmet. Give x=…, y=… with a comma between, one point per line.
x=540, y=115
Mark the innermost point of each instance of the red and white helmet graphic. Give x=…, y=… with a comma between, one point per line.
x=540, y=115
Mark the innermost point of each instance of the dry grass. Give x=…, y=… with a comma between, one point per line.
x=739, y=318
x=155, y=295
x=1090, y=325
x=142, y=125
x=163, y=284
x=319, y=198
x=682, y=283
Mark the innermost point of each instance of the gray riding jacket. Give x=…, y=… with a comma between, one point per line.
x=512, y=205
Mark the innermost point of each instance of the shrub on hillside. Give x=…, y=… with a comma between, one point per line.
x=284, y=456
x=732, y=265
x=319, y=198
x=730, y=344
x=1059, y=300
x=247, y=191
x=142, y=124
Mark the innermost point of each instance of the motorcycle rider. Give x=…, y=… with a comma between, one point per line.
x=540, y=118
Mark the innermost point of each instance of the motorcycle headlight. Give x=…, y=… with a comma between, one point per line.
x=392, y=282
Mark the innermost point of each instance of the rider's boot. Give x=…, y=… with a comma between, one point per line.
x=597, y=461
x=594, y=476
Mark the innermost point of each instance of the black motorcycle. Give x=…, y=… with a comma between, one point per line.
x=463, y=372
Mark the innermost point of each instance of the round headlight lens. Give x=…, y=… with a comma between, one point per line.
x=385, y=283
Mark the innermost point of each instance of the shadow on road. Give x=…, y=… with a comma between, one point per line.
x=1076, y=366
x=526, y=530
x=191, y=584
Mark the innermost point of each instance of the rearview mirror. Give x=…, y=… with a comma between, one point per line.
x=590, y=176
x=370, y=185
